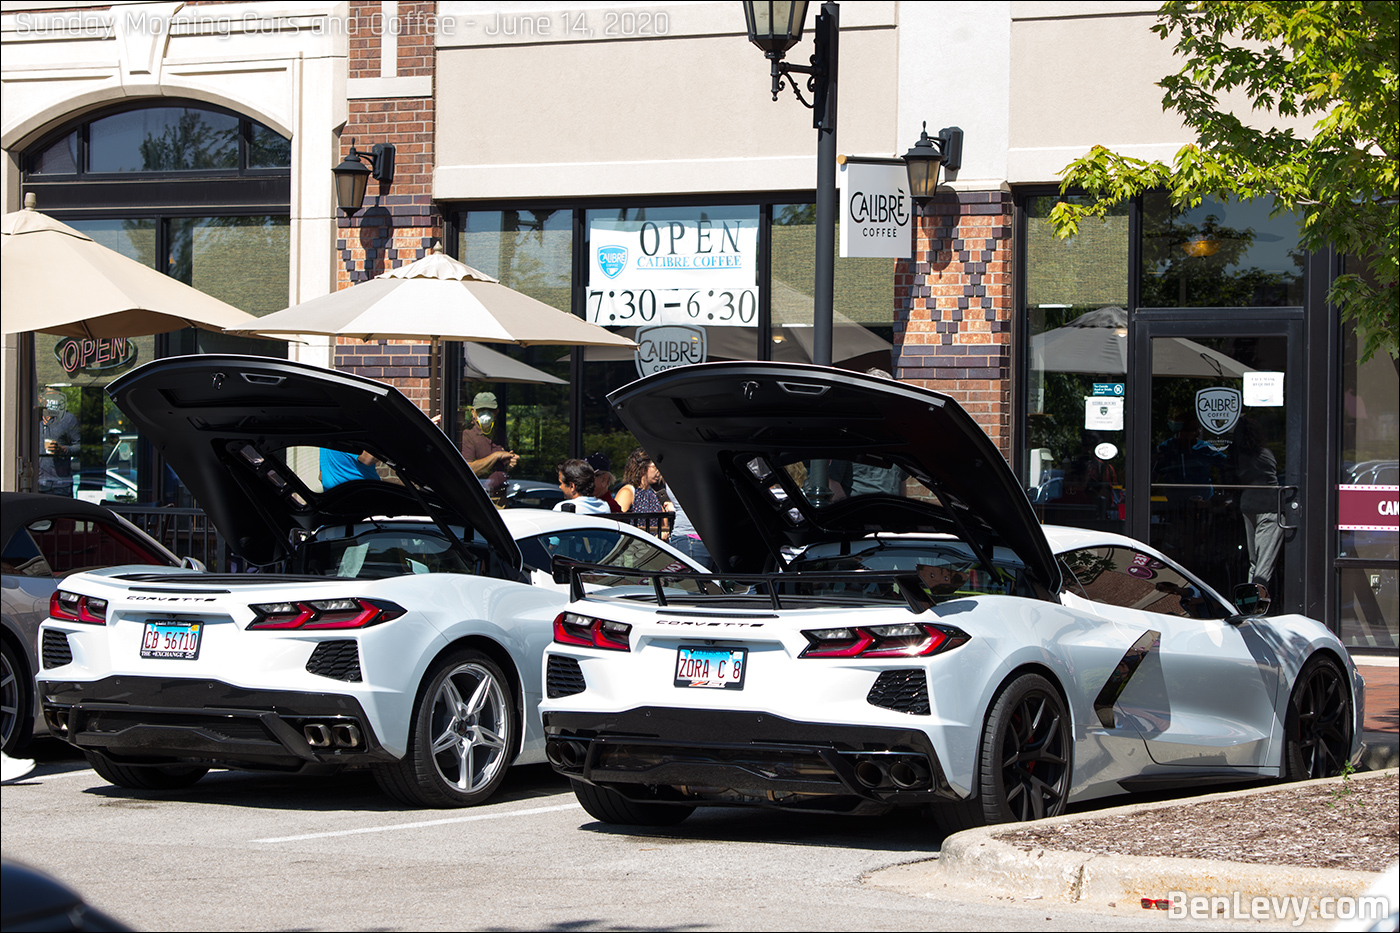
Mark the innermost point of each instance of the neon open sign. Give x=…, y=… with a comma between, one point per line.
x=86, y=354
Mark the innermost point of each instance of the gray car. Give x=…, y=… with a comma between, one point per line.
x=45, y=539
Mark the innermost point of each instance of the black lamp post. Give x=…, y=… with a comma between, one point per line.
x=352, y=175
x=928, y=156
x=775, y=28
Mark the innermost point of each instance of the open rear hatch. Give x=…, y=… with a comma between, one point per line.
x=772, y=455
x=236, y=429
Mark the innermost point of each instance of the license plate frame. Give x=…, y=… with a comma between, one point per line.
x=710, y=667
x=157, y=643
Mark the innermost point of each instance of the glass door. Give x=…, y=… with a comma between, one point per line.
x=1220, y=413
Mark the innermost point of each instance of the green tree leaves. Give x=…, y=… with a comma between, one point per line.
x=1332, y=61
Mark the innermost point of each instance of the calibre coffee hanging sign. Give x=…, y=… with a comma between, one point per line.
x=94, y=355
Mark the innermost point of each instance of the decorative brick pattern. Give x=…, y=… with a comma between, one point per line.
x=953, y=307
x=400, y=223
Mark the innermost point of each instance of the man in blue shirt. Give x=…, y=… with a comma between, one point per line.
x=338, y=466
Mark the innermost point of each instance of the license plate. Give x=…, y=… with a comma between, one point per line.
x=721, y=668
x=169, y=639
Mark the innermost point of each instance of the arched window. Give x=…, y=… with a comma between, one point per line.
x=197, y=191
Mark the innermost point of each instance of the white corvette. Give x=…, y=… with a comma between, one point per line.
x=404, y=643
x=929, y=642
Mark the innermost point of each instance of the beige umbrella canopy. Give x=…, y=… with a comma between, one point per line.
x=436, y=298
x=1097, y=342
x=57, y=280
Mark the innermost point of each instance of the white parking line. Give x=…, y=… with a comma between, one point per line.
x=457, y=819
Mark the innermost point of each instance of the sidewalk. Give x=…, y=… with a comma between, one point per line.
x=980, y=865
x=1381, y=731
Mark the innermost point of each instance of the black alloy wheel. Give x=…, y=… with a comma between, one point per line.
x=14, y=701
x=1318, y=729
x=1027, y=748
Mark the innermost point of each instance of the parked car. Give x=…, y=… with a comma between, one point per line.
x=404, y=633
x=45, y=539
x=934, y=647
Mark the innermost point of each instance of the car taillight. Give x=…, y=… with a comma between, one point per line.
x=323, y=614
x=70, y=607
x=904, y=640
x=572, y=629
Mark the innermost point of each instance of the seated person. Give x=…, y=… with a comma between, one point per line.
x=576, y=479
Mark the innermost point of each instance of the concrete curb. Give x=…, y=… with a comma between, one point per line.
x=976, y=859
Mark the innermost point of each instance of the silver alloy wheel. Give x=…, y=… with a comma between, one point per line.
x=469, y=728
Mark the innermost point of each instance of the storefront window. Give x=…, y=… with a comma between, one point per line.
x=87, y=449
x=1368, y=537
x=862, y=327
x=1076, y=296
x=1221, y=254
x=531, y=251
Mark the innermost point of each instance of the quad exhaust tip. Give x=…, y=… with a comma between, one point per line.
x=565, y=753
x=339, y=734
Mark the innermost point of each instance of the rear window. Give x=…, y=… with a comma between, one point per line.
x=60, y=546
x=372, y=551
x=944, y=566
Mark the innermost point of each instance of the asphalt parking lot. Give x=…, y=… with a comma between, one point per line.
x=241, y=851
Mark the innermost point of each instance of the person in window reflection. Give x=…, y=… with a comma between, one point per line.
x=1255, y=465
x=1087, y=479
x=339, y=466
x=487, y=459
x=1185, y=467
x=1188, y=597
x=576, y=482
x=602, y=479
x=640, y=480
x=59, y=440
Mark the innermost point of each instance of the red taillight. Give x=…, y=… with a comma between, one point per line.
x=904, y=640
x=571, y=629
x=71, y=607
x=324, y=614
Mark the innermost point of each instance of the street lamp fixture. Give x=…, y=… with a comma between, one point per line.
x=352, y=175
x=930, y=154
x=775, y=28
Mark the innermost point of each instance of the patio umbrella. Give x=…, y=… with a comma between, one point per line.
x=483, y=364
x=1097, y=342
x=437, y=298
x=57, y=280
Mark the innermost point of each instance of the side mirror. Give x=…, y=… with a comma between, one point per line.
x=1252, y=599
x=193, y=563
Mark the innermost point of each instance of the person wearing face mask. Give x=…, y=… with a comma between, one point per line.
x=59, y=440
x=486, y=457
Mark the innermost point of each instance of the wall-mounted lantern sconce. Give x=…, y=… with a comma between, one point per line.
x=928, y=156
x=352, y=175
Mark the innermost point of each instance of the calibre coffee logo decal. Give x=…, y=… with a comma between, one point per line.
x=1218, y=408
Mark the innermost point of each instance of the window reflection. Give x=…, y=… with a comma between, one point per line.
x=1076, y=290
x=163, y=139
x=1221, y=254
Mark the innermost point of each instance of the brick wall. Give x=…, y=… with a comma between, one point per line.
x=398, y=223
x=953, y=307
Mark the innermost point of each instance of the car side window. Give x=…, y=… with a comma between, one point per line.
x=591, y=546
x=73, y=544
x=1120, y=576
x=22, y=556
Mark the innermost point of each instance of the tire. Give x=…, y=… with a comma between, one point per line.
x=16, y=702
x=608, y=806
x=464, y=734
x=145, y=777
x=1027, y=755
x=1319, y=724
